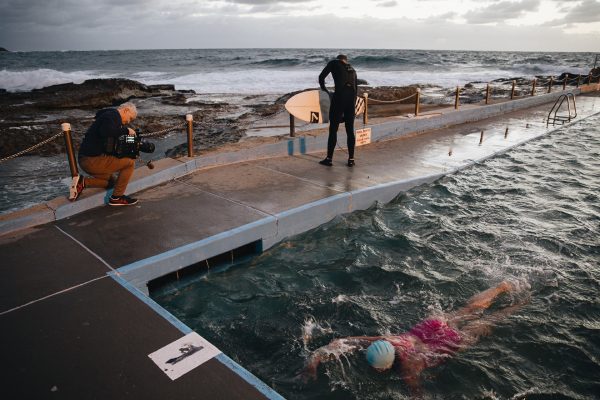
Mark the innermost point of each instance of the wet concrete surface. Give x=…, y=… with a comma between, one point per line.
x=73, y=332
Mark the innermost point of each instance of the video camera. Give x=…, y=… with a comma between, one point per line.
x=128, y=146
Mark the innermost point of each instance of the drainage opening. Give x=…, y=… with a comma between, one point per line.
x=218, y=262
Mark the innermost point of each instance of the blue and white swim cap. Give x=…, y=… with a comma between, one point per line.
x=381, y=354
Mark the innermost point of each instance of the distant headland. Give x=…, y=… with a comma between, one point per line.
x=3, y=49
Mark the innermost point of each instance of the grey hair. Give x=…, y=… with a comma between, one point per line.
x=130, y=108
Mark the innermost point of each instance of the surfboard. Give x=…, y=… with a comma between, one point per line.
x=313, y=106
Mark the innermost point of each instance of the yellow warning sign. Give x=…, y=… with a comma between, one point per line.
x=363, y=136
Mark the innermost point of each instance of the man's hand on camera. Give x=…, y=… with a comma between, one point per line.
x=131, y=132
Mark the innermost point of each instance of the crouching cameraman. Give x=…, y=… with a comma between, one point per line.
x=95, y=154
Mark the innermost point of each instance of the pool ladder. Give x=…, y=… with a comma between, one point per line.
x=569, y=97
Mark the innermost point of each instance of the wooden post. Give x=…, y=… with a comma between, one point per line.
x=506, y=133
x=550, y=84
x=512, y=92
x=66, y=129
x=578, y=80
x=533, y=87
x=590, y=79
x=481, y=138
x=417, y=101
x=190, y=134
x=566, y=78
x=366, y=113
x=292, y=127
x=456, y=100
x=487, y=94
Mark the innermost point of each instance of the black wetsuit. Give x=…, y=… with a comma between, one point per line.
x=342, y=103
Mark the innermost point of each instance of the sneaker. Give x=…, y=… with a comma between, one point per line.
x=327, y=161
x=351, y=162
x=121, y=201
x=76, y=187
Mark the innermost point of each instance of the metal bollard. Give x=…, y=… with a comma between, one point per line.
x=366, y=113
x=533, y=87
x=550, y=84
x=456, y=100
x=292, y=127
x=512, y=92
x=481, y=138
x=487, y=94
x=66, y=128
x=417, y=101
x=190, y=134
x=565, y=81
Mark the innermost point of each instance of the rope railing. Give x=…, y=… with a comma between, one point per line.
x=35, y=146
x=163, y=131
x=392, y=101
x=538, y=86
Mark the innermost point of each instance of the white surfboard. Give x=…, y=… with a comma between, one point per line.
x=313, y=106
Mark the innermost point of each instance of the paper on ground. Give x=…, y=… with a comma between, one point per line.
x=183, y=355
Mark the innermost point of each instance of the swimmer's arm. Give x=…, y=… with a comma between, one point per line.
x=344, y=345
x=411, y=374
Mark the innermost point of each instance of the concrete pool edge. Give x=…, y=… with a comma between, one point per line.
x=246, y=375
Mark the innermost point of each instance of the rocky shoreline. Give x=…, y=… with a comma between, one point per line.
x=27, y=118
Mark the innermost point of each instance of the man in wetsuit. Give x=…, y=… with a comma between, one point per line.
x=342, y=104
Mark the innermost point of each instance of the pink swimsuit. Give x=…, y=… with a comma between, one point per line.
x=436, y=334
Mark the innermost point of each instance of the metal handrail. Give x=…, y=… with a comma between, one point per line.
x=556, y=107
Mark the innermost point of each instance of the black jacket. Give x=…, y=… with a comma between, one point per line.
x=343, y=75
x=108, y=123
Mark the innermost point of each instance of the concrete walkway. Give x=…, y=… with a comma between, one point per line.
x=76, y=323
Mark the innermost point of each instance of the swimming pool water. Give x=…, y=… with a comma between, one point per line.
x=531, y=215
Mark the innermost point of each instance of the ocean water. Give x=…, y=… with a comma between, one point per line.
x=531, y=216
x=277, y=71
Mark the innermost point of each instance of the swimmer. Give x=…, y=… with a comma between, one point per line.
x=425, y=345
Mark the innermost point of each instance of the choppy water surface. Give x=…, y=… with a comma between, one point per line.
x=530, y=215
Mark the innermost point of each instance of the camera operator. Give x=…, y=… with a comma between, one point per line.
x=96, y=159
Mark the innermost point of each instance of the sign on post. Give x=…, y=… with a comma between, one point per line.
x=363, y=136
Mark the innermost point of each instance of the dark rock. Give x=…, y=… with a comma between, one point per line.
x=362, y=82
x=162, y=87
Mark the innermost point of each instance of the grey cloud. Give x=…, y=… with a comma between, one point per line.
x=585, y=12
x=264, y=2
x=391, y=3
x=501, y=11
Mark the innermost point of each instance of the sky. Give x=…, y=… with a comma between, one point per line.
x=504, y=25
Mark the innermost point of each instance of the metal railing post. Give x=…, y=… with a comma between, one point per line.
x=366, y=113
x=292, y=126
x=512, y=92
x=565, y=81
x=550, y=84
x=417, y=101
x=533, y=87
x=487, y=94
x=66, y=128
x=456, y=100
x=190, y=134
